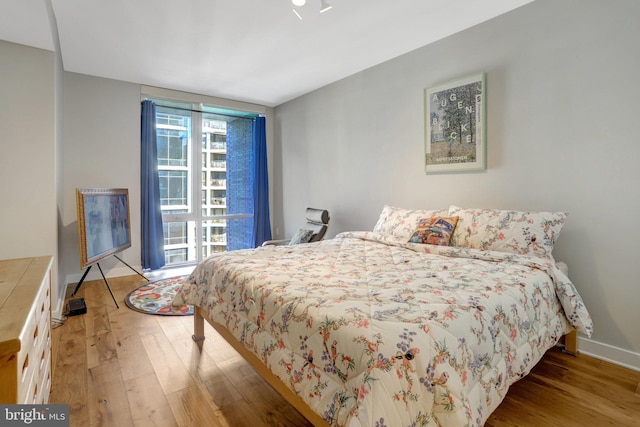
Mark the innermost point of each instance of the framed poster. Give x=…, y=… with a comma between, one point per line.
x=455, y=126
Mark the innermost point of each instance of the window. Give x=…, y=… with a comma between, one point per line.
x=205, y=188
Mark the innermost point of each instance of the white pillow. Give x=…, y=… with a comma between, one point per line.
x=522, y=233
x=402, y=223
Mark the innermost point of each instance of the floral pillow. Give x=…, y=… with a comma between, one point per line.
x=522, y=233
x=435, y=230
x=401, y=223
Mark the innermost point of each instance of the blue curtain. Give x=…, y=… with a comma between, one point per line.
x=152, y=235
x=239, y=184
x=247, y=184
x=261, y=220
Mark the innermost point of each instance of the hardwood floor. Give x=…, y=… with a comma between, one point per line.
x=118, y=367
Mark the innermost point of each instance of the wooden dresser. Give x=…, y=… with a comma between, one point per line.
x=25, y=330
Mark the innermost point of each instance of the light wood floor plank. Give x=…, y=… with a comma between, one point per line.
x=133, y=358
x=171, y=372
x=193, y=407
x=118, y=367
x=198, y=363
x=244, y=414
x=222, y=391
x=173, y=329
x=107, y=397
x=149, y=404
x=101, y=345
x=70, y=370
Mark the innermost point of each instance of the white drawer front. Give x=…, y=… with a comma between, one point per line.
x=34, y=358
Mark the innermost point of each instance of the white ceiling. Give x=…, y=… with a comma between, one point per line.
x=255, y=51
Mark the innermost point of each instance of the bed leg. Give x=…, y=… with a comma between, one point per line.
x=571, y=343
x=198, y=327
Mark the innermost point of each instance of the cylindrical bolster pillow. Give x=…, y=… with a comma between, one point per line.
x=318, y=215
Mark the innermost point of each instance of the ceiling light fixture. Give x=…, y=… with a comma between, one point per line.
x=298, y=3
x=324, y=6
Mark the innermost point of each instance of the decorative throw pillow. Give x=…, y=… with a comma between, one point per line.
x=522, y=233
x=436, y=230
x=301, y=236
x=401, y=223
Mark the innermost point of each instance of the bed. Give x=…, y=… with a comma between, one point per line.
x=425, y=320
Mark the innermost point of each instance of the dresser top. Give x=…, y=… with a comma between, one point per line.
x=20, y=281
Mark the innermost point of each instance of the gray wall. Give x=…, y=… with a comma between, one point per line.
x=562, y=112
x=27, y=160
x=102, y=149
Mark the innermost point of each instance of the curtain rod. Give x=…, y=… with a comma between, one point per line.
x=247, y=116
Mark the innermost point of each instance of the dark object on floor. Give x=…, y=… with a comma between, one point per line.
x=76, y=307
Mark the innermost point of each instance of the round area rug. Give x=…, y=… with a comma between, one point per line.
x=156, y=298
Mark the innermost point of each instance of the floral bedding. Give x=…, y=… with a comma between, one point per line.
x=372, y=331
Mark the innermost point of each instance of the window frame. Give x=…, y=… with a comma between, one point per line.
x=195, y=159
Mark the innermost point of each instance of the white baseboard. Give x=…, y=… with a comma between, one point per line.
x=57, y=307
x=94, y=273
x=609, y=353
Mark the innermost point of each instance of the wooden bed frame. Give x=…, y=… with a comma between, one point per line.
x=569, y=342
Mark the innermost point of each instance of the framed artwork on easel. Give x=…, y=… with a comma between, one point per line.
x=103, y=223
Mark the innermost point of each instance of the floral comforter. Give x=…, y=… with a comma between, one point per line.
x=373, y=332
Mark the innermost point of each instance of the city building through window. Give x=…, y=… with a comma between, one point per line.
x=204, y=160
